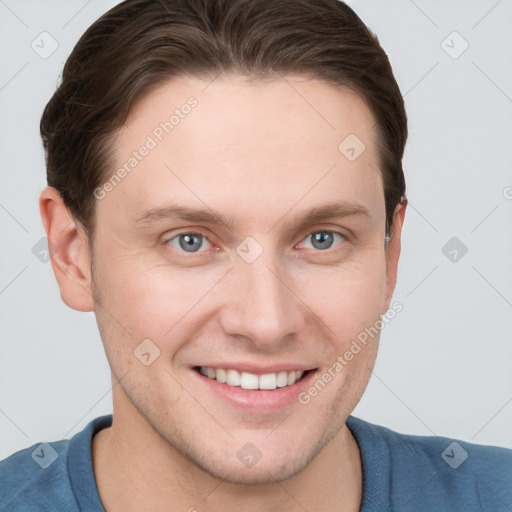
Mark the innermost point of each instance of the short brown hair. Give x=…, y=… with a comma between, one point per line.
x=139, y=44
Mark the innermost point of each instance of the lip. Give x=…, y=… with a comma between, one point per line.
x=257, y=369
x=257, y=400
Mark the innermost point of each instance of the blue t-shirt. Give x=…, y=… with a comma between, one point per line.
x=401, y=473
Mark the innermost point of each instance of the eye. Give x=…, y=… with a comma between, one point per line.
x=194, y=242
x=323, y=240
x=188, y=242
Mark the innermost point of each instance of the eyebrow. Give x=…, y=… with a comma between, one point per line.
x=316, y=214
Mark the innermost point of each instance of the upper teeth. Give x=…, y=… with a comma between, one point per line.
x=250, y=380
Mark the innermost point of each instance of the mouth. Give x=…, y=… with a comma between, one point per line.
x=252, y=381
x=264, y=392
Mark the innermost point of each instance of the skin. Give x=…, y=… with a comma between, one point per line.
x=260, y=153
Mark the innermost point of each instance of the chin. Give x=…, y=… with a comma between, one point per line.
x=263, y=472
x=244, y=463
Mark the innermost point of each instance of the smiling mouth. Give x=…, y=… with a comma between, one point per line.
x=246, y=380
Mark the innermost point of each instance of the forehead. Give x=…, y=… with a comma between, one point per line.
x=274, y=140
x=234, y=108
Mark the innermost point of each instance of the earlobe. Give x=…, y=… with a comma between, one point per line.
x=393, y=250
x=69, y=251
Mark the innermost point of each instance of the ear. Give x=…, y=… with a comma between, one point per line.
x=393, y=251
x=69, y=251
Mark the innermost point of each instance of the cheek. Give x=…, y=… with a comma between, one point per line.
x=150, y=300
x=137, y=306
x=348, y=298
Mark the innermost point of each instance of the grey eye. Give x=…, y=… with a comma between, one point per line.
x=188, y=242
x=322, y=240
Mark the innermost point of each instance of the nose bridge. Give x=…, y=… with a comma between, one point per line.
x=262, y=307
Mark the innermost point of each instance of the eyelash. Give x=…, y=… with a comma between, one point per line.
x=193, y=233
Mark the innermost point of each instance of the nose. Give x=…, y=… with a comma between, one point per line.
x=262, y=307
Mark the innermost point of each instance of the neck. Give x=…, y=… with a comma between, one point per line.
x=136, y=469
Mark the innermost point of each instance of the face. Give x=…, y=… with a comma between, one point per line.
x=243, y=244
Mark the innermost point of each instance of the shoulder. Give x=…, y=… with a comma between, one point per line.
x=425, y=472
x=51, y=476
x=35, y=478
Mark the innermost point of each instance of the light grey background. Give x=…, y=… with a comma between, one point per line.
x=445, y=362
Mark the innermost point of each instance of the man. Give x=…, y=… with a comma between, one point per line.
x=226, y=194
